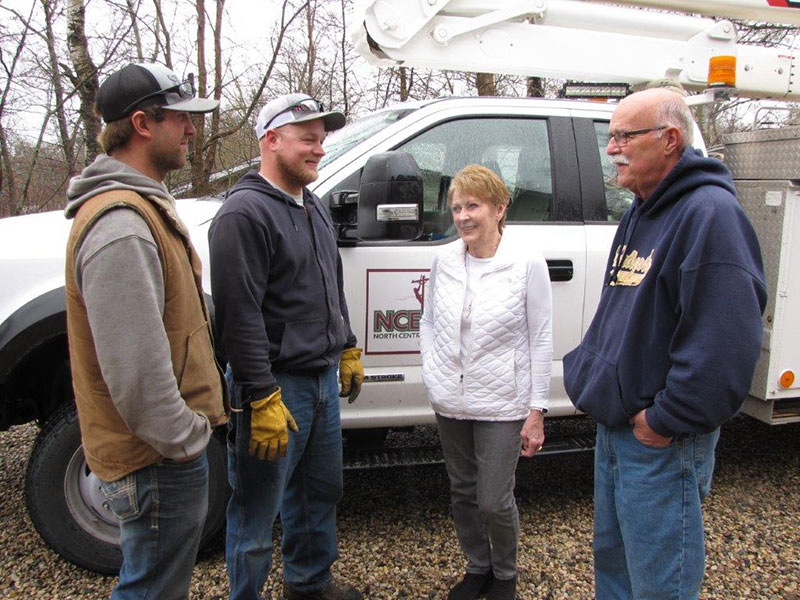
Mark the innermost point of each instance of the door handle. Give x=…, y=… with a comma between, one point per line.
x=560, y=269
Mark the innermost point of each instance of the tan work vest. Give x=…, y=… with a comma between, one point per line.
x=111, y=450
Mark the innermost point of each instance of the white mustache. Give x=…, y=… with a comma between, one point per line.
x=619, y=159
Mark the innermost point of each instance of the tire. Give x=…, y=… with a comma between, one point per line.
x=65, y=502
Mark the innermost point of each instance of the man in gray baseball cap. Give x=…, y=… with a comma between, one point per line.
x=141, y=85
x=282, y=321
x=147, y=387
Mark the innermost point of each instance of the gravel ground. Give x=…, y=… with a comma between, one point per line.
x=397, y=539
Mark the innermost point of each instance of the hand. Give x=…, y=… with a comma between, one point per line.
x=270, y=422
x=532, y=433
x=351, y=373
x=645, y=435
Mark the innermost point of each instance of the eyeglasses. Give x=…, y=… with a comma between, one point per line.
x=309, y=105
x=183, y=91
x=623, y=137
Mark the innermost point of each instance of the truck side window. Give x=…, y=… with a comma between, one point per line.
x=618, y=199
x=518, y=150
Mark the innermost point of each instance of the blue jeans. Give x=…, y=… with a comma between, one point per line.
x=304, y=486
x=648, y=523
x=161, y=511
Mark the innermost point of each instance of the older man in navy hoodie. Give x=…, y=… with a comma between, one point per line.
x=670, y=353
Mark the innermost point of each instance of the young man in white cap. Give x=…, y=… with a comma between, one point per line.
x=147, y=387
x=281, y=317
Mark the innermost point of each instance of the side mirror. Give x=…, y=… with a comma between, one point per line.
x=343, y=206
x=390, y=198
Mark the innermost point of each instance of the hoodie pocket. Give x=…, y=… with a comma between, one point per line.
x=302, y=341
x=592, y=383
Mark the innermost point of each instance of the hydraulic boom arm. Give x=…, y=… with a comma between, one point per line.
x=584, y=40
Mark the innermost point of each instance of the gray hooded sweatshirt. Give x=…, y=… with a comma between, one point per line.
x=119, y=275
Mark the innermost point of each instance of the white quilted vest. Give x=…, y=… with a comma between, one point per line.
x=495, y=382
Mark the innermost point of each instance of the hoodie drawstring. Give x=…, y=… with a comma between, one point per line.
x=627, y=236
x=291, y=212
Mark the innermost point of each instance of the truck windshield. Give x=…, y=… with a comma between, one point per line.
x=341, y=141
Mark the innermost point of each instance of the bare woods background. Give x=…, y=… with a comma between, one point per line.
x=54, y=53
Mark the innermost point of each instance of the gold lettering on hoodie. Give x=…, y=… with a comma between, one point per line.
x=630, y=269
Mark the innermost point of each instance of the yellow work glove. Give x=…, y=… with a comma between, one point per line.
x=270, y=422
x=351, y=373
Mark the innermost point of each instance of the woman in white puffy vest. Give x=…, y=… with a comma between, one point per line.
x=487, y=349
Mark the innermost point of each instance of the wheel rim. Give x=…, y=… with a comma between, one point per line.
x=86, y=502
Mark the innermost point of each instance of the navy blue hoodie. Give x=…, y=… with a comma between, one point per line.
x=276, y=282
x=678, y=329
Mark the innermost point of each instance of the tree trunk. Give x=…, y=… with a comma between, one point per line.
x=403, y=84
x=535, y=87
x=8, y=180
x=210, y=148
x=196, y=144
x=86, y=76
x=345, y=91
x=67, y=144
x=9, y=193
x=137, y=38
x=307, y=79
x=166, y=46
x=484, y=82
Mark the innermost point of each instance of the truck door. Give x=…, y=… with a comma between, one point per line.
x=604, y=203
x=385, y=281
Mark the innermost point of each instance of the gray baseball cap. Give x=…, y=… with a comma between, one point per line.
x=295, y=108
x=139, y=85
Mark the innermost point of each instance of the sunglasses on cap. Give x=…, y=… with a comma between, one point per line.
x=309, y=105
x=183, y=91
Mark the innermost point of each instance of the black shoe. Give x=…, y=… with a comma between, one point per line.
x=333, y=591
x=503, y=589
x=472, y=586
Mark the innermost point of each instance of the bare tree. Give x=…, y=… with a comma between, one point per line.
x=343, y=46
x=203, y=155
x=87, y=83
x=132, y=8
x=202, y=152
x=59, y=109
x=164, y=44
x=307, y=73
x=8, y=178
x=484, y=83
x=196, y=144
x=286, y=20
x=535, y=87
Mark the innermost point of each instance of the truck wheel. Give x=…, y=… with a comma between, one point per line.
x=66, y=505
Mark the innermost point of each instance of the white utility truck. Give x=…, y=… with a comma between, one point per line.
x=385, y=179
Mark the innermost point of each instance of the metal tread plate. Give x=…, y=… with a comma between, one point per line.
x=407, y=456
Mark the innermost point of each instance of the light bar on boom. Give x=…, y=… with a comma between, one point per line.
x=593, y=91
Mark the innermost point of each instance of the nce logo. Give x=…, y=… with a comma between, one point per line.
x=396, y=320
x=401, y=323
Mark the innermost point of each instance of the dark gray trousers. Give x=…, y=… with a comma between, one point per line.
x=481, y=459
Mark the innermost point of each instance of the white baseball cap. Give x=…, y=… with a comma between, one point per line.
x=295, y=108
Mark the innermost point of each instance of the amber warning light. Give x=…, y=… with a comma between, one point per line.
x=722, y=71
x=787, y=379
